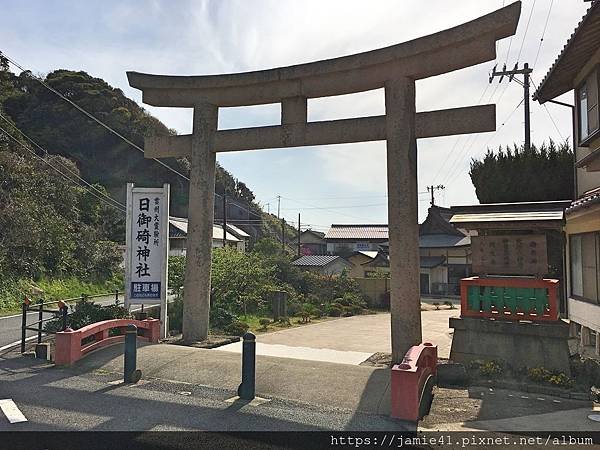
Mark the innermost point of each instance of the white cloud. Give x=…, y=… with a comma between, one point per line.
x=207, y=37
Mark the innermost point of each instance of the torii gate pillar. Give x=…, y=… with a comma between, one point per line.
x=393, y=68
x=403, y=221
x=196, y=306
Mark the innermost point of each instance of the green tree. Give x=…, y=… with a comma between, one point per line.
x=519, y=175
x=241, y=280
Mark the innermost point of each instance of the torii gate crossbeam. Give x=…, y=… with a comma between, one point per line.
x=393, y=68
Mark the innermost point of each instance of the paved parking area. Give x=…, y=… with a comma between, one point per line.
x=348, y=340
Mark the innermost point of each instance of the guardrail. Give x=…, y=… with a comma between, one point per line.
x=41, y=307
x=72, y=345
x=412, y=383
x=509, y=298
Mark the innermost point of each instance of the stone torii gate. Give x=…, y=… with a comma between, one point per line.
x=393, y=68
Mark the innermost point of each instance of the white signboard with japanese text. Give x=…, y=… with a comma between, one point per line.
x=147, y=250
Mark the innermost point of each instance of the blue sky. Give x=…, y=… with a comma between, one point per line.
x=330, y=184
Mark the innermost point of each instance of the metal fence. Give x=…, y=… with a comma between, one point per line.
x=62, y=312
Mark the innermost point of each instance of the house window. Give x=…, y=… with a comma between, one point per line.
x=587, y=99
x=584, y=257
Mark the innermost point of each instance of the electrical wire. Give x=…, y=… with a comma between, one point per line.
x=451, y=175
x=120, y=207
x=91, y=116
x=526, y=29
x=548, y=112
x=543, y=34
x=98, y=121
x=76, y=175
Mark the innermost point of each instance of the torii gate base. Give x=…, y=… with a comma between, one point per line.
x=393, y=68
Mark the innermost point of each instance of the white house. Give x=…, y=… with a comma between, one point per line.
x=235, y=237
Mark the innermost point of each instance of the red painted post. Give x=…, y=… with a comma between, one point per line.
x=153, y=327
x=68, y=347
x=409, y=378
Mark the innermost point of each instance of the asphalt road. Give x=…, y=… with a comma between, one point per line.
x=72, y=400
x=10, y=326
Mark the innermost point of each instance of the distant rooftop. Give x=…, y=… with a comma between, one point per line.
x=180, y=225
x=358, y=232
x=316, y=260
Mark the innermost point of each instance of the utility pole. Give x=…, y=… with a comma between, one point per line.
x=282, y=235
x=432, y=189
x=268, y=208
x=525, y=71
x=299, y=246
x=224, y=219
x=278, y=205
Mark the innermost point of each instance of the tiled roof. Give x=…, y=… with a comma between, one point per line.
x=316, y=260
x=588, y=200
x=358, y=232
x=580, y=46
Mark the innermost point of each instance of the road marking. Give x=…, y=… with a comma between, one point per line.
x=11, y=411
x=14, y=344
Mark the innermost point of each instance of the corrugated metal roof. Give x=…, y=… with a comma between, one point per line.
x=443, y=240
x=580, y=47
x=317, y=260
x=358, y=232
x=516, y=216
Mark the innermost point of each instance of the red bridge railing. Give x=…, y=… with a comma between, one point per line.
x=412, y=382
x=72, y=345
x=509, y=298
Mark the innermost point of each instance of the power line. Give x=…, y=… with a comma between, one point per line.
x=98, y=121
x=337, y=207
x=103, y=194
x=335, y=212
x=451, y=178
x=120, y=207
x=526, y=29
x=438, y=173
x=543, y=34
x=91, y=116
x=548, y=112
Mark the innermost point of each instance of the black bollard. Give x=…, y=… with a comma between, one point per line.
x=130, y=373
x=247, y=388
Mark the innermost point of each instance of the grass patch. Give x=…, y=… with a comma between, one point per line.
x=12, y=292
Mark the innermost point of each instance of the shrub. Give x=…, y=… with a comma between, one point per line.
x=561, y=380
x=334, y=310
x=437, y=305
x=538, y=374
x=543, y=375
x=449, y=304
x=488, y=368
x=308, y=310
x=264, y=323
x=176, y=273
x=220, y=318
x=285, y=321
x=236, y=328
x=86, y=312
